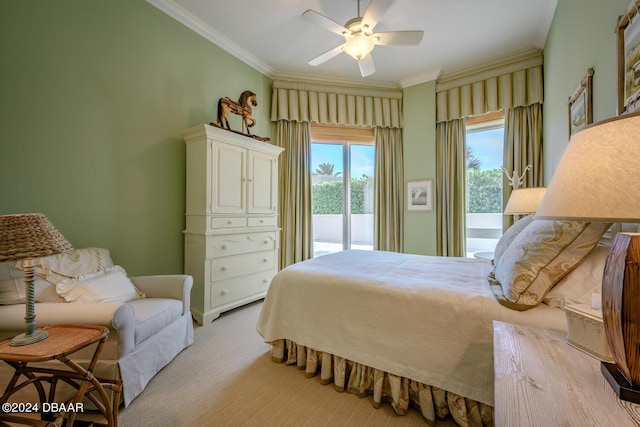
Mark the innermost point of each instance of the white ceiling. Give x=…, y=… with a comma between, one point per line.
x=270, y=36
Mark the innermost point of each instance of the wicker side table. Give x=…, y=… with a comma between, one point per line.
x=63, y=340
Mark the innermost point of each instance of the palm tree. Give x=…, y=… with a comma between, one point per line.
x=326, y=169
x=472, y=161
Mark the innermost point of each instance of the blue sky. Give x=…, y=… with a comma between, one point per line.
x=485, y=145
x=362, y=158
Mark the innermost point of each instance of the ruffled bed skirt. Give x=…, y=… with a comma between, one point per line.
x=399, y=392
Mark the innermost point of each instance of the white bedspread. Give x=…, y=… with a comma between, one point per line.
x=421, y=317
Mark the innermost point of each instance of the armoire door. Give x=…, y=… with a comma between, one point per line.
x=229, y=177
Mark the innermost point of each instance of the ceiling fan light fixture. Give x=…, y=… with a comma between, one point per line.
x=358, y=46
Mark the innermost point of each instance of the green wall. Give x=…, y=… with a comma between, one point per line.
x=419, y=139
x=581, y=36
x=94, y=96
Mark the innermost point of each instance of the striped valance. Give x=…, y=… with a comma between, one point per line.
x=336, y=105
x=500, y=88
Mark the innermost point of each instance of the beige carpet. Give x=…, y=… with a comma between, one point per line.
x=227, y=378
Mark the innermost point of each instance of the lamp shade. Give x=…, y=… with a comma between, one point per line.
x=25, y=236
x=597, y=178
x=524, y=201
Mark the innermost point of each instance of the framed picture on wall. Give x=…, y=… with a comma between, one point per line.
x=420, y=195
x=581, y=104
x=629, y=59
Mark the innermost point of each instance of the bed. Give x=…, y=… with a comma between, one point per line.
x=416, y=330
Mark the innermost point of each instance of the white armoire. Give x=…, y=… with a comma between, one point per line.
x=231, y=238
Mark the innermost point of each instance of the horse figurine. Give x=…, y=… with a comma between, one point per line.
x=242, y=107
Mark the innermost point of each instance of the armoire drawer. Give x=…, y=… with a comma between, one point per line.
x=230, y=222
x=241, y=265
x=234, y=244
x=231, y=290
x=263, y=221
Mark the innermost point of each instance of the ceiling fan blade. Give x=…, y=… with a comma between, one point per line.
x=324, y=22
x=366, y=66
x=326, y=56
x=399, y=38
x=374, y=12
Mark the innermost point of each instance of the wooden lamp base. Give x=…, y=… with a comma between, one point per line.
x=623, y=388
x=621, y=315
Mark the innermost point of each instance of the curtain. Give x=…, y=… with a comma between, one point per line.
x=523, y=147
x=451, y=187
x=514, y=86
x=305, y=103
x=389, y=190
x=334, y=105
x=296, y=242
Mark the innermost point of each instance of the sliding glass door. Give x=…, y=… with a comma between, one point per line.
x=342, y=196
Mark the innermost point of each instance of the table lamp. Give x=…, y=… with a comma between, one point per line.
x=597, y=180
x=524, y=201
x=24, y=237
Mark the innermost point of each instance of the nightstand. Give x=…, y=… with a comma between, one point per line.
x=63, y=341
x=540, y=380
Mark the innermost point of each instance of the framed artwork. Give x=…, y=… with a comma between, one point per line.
x=581, y=104
x=629, y=59
x=420, y=195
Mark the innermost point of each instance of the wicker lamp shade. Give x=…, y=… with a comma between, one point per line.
x=29, y=236
x=24, y=237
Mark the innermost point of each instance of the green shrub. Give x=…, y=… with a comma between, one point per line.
x=484, y=191
x=327, y=197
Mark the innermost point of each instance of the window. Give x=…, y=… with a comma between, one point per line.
x=342, y=164
x=485, y=140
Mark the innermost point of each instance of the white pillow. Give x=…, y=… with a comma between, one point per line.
x=577, y=286
x=110, y=285
x=72, y=264
x=12, y=286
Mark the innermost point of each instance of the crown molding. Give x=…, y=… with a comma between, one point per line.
x=190, y=21
x=425, y=77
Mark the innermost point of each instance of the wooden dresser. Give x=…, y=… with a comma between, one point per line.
x=231, y=235
x=540, y=380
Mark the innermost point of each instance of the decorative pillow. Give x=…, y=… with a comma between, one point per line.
x=585, y=280
x=12, y=286
x=74, y=263
x=110, y=285
x=509, y=235
x=540, y=255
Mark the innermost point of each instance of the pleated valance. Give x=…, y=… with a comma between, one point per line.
x=507, y=86
x=336, y=105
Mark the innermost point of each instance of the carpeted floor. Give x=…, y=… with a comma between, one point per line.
x=227, y=378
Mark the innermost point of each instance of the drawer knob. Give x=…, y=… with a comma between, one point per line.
x=261, y=221
x=223, y=292
x=266, y=242
x=265, y=260
x=229, y=222
x=224, y=246
x=223, y=268
x=265, y=281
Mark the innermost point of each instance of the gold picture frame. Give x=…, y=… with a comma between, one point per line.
x=581, y=104
x=420, y=195
x=628, y=41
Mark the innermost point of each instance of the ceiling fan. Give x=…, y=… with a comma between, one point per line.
x=359, y=38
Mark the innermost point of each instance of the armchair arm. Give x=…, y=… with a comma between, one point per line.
x=116, y=316
x=176, y=286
